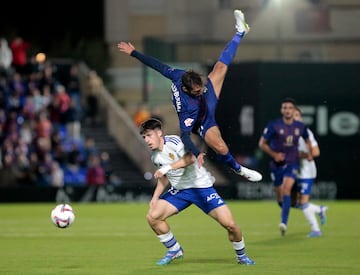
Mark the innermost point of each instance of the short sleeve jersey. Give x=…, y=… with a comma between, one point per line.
x=284, y=138
x=307, y=168
x=191, y=176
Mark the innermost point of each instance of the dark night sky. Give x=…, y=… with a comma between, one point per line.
x=45, y=22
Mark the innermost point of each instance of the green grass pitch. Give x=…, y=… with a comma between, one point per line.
x=115, y=239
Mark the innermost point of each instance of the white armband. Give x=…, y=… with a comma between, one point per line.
x=165, y=169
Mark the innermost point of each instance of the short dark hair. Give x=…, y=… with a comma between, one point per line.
x=190, y=78
x=289, y=100
x=150, y=124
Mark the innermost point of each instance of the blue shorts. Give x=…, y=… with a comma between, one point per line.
x=288, y=170
x=206, y=199
x=304, y=186
x=209, y=119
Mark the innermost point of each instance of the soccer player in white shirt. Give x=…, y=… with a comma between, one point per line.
x=190, y=184
x=306, y=179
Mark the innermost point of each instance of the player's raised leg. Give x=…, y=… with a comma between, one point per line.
x=214, y=139
x=241, y=26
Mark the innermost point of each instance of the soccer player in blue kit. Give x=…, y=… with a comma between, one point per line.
x=189, y=184
x=195, y=99
x=280, y=140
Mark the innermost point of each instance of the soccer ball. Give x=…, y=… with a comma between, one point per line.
x=63, y=215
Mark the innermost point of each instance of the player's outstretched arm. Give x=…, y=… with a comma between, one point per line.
x=128, y=48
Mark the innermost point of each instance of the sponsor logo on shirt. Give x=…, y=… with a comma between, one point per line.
x=188, y=122
x=176, y=96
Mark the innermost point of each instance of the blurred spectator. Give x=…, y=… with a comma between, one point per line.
x=29, y=108
x=44, y=169
x=42, y=135
x=11, y=123
x=141, y=114
x=61, y=103
x=73, y=126
x=56, y=175
x=74, y=175
x=47, y=78
x=4, y=92
x=47, y=97
x=22, y=148
x=95, y=174
x=106, y=165
x=8, y=154
x=58, y=149
x=73, y=88
x=38, y=99
x=94, y=84
x=5, y=57
x=90, y=149
x=22, y=171
x=43, y=126
x=19, y=49
x=26, y=133
x=74, y=155
x=17, y=93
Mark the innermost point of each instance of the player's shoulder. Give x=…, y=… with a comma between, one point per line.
x=310, y=132
x=276, y=121
x=172, y=139
x=299, y=124
x=176, y=72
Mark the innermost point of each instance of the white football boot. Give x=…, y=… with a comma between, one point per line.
x=241, y=26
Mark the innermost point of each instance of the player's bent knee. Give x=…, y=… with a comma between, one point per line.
x=150, y=219
x=153, y=219
x=232, y=227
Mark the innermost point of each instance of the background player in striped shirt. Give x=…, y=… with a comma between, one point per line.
x=305, y=181
x=280, y=141
x=189, y=184
x=195, y=99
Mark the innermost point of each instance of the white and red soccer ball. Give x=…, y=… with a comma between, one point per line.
x=63, y=215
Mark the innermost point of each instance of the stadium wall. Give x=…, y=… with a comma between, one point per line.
x=329, y=98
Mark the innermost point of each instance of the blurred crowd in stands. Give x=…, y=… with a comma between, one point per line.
x=40, y=124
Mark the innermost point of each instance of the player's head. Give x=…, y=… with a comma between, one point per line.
x=287, y=108
x=193, y=83
x=151, y=131
x=297, y=114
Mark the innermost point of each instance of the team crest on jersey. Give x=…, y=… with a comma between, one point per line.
x=188, y=122
x=297, y=132
x=171, y=155
x=281, y=132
